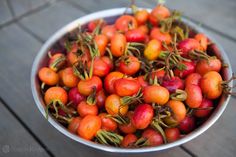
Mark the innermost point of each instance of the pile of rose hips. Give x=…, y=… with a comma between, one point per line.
x=144, y=80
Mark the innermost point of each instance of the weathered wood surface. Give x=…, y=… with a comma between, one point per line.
x=19, y=46
x=20, y=7
x=4, y=12
x=47, y=21
x=215, y=14
x=15, y=140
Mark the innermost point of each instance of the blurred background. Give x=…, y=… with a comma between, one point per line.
x=26, y=24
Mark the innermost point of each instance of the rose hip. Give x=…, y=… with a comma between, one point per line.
x=187, y=125
x=173, y=83
x=143, y=115
x=75, y=97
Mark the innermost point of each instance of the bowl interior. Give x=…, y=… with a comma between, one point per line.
x=56, y=42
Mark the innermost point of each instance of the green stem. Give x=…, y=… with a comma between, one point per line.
x=157, y=127
x=98, y=27
x=161, y=2
x=91, y=51
x=126, y=100
x=119, y=119
x=86, y=75
x=142, y=142
x=170, y=121
x=49, y=54
x=126, y=49
x=42, y=86
x=57, y=62
x=205, y=108
x=155, y=81
x=163, y=55
x=134, y=44
x=109, y=53
x=65, y=109
x=91, y=99
x=67, y=120
x=163, y=124
x=77, y=72
x=46, y=110
x=179, y=95
x=55, y=108
x=67, y=46
x=70, y=103
x=134, y=8
x=107, y=137
x=91, y=68
x=199, y=55
x=101, y=139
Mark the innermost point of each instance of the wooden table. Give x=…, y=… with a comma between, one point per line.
x=26, y=24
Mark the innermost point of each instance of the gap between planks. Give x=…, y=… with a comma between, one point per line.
x=46, y=5
x=188, y=151
x=211, y=29
x=27, y=128
x=15, y=18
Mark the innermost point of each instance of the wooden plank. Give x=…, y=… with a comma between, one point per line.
x=228, y=45
x=21, y=7
x=220, y=139
x=49, y=20
x=14, y=139
x=5, y=14
x=15, y=68
x=96, y=5
x=217, y=14
x=197, y=10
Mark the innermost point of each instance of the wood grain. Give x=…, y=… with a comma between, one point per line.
x=20, y=7
x=5, y=14
x=14, y=139
x=49, y=20
x=216, y=14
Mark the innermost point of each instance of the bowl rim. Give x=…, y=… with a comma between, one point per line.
x=109, y=13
